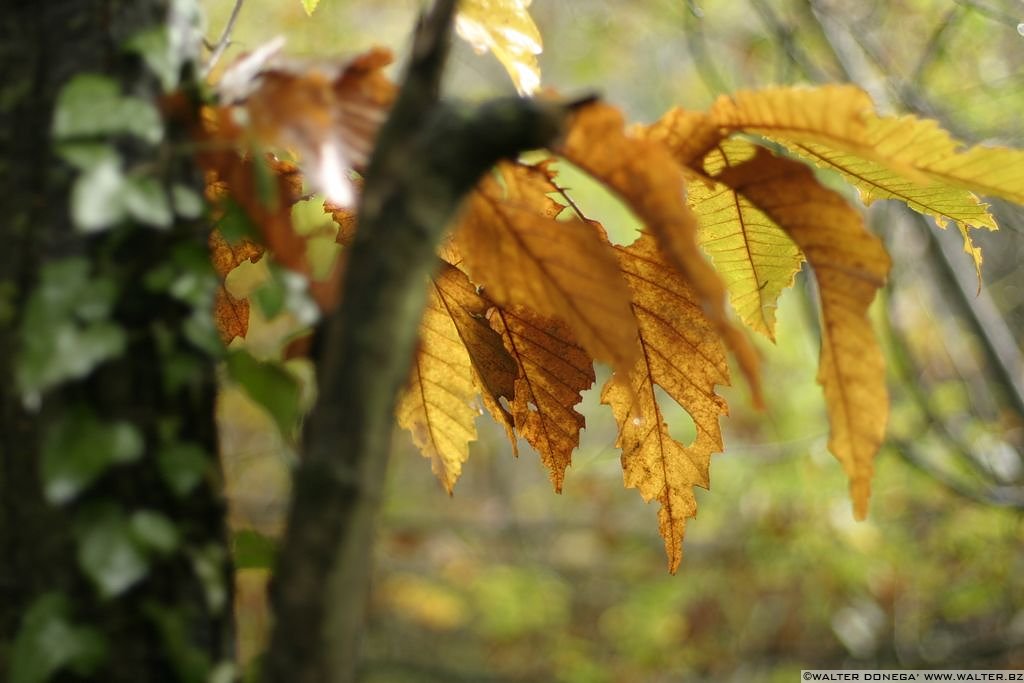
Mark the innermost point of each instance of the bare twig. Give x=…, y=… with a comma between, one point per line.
x=217, y=50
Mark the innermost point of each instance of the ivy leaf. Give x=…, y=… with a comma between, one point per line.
x=513, y=245
x=67, y=331
x=683, y=354
x=79, y=449
x=109, y=552
x=505, y=28
x=92, y=106
x=49, y=642
x=552, y=371
x=652, y=183
x=850, y=265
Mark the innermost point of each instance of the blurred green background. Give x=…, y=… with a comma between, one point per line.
x=508, y=582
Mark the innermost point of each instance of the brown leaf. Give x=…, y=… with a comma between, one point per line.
x=652, y=183
x=326, y=112
x=684, y=355
x=850, y=265
x=552, y=371
x=494, y=368
x=511, y=243
x=231, y=315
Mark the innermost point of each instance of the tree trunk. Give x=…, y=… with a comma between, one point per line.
x=130, y=562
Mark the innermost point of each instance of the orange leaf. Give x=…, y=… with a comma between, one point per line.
x=850, y=265
x=511, y=243
x=652, y=183
x=552, y=371
x=683, y=354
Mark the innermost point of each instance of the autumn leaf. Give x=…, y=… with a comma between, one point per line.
x=495, y=370
x=512, y=244
x=552, y=371
x=950, y=173
x=754, y=256
x=326, y=113
x=850, y=265
x=458, y=355
x=644, y=174
x=436, y=405
x=505, y=28
x=682, y=354
x=231, y=315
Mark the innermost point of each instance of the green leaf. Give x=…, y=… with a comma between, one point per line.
x=253, y=550
x=48, y=642
x=91, y=105
x=187, y=202
x=80, y=449
x=108, y=551
x=97, y=197
x=66, y=331
x=155, y=531
x=146, y=200
x=182, y=466
x=269, y=385
x=154, y=46
x=310, y=6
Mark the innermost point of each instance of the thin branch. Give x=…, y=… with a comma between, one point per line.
x=217, y=51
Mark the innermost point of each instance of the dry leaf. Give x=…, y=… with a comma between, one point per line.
x=511, y=243
x=552, y=371
x=683, y=354
x=505, y=28
x=643, y=173
x=850, y=265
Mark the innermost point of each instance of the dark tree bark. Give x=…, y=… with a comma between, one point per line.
x=172, y=623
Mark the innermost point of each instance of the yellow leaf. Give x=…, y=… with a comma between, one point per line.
x=683, y=354
x=946, y=173
x=553, y=370
x=310, y=6
x=511, y=243
x=850, y=265
x=833, y=115
x=494, y=368
x=651, y=182
x=754, y=256
x=437, y=403
x=505, y=28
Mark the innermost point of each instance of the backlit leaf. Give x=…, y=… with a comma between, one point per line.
x=505, y=28
x=683, y=354
x=495, y=370
x=950, y=173
x=644, y=174
x=850, y=265
x=755, y=258
x=436, y=405
x=513, y=246
x=552, y=371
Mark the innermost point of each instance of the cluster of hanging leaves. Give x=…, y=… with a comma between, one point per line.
x=529, y=292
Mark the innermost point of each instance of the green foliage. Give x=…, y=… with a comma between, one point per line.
x=182, y=466
x=110, y=552
x=269, y=385
x=50, y=642
x=80, y=448
x=67, y=329
x=253, y=550
x=92, y=106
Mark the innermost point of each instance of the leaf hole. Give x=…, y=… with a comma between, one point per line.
x=681, y=426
